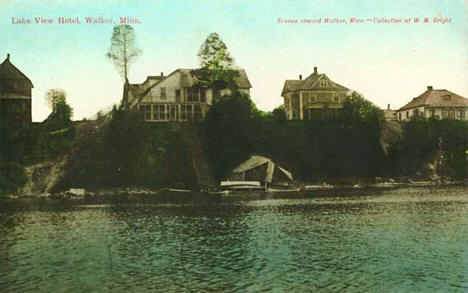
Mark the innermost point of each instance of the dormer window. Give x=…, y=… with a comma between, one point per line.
x=446, y=97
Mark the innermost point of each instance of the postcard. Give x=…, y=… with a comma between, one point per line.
x=233, y=146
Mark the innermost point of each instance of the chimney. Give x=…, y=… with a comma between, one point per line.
x=162, y=73
x=388, y=107
x=300, y=76
x=8, y=56
x=429, y=87
x=315, y=70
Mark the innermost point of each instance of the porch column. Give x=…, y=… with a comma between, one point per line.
x=301, y=112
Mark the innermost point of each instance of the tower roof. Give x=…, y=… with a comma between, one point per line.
x=9, y=71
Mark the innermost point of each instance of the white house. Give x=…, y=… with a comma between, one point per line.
x=177, y=96
x=438, y=104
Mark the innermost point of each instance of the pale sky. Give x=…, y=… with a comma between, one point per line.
x=387, y=63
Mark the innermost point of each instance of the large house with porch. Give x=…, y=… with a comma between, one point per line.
x=177, y=96
x=437, y=104
x=315, y=96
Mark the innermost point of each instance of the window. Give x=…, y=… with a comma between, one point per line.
x=159, y=112
x=195, y=94
x=461, y=114
x=323, y=83
x=163, y=93
x=177, y=94
x=305, y=96
x=197, y=112
x=399, y=116
x=183, y=112
x=146, y=111
x=451, y=114
x=407, y=114
x=173, y=112
x=336, y=99
x=444, y=114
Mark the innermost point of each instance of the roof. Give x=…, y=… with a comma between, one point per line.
x=251, y=163
x=9, y=71
x=310, y=83
x=188, y=79
x=256, y=161
x=439, y=98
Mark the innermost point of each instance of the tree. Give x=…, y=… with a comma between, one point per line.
x=61, y=110
x=216, y=64
x=230, y=129
x=122, y=52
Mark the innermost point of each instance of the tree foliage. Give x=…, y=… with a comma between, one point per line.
x=216, y=64
x=123, y=49
x=433, y=141
x=123, y=151
x=230, y=130
x=213, y=53
x=62, y=112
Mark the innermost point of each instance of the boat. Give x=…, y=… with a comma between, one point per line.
x=175, y=191
x=272, y=189
x=220, y=192
x=241, y=186
x=318, y=187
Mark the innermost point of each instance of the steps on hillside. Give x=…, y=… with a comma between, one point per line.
x=195, y=153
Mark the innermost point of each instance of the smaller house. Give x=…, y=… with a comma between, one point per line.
x=261, y=169
x=437, y=104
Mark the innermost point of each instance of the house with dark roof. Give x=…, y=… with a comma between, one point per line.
x=177, y=96
x=438, y=104
x=15, y=95
x=315, y=96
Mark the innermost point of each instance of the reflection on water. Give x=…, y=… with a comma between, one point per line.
x=407, y=240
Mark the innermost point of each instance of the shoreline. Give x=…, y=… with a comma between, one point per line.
x=80, y=193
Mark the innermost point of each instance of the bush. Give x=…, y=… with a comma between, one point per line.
x=12, y=177
x=124, y=151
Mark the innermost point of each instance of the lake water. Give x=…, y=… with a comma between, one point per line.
x=401, y=240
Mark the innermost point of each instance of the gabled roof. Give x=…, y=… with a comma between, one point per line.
x=9, y=71
x=438, y=98
x=256, y=161
x=310, y=83
x=188, y=79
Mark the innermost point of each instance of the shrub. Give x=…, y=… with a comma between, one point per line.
x=12, y=177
